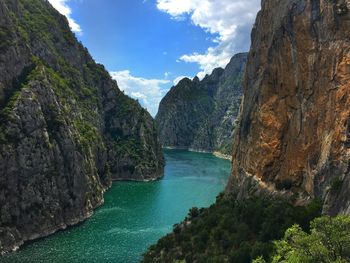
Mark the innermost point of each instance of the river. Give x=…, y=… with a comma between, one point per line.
x=134, y=215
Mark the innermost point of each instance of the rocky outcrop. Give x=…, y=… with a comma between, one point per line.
x=293, y=136
x=200, y=115
x=66, y=129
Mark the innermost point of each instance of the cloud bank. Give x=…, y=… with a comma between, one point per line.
x=230, y=22
x=62, y=7
x=149, y=92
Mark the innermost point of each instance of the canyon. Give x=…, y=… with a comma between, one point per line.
x=290, y=161
x=281, y=112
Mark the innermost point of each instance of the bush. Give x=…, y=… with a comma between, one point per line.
x=193, y=213
x=328, y=241
x=232, y=231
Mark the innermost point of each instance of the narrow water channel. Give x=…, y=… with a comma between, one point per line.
x=135, y=215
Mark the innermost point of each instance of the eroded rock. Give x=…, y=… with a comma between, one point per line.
x=293, y=136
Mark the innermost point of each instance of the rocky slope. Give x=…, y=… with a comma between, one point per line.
x=201, y=115
x=66, y=129
x=294, y=131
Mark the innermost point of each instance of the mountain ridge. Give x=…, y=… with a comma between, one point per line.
x=66, y=129
x=200, y=115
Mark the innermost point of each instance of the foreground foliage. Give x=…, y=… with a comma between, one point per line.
x=328, y=241
x=231, y=231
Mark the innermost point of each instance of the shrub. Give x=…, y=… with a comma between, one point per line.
x=328, y=241
x=232, y=231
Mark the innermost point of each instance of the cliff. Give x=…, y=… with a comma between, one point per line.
x=293, y=136
x=66, y=130
x=201, y=115
x=291, y=146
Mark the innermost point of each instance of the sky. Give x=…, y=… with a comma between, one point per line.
x=149, y=45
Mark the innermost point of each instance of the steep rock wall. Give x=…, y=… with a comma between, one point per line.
x=294, y=136
x=201, y=115
x=66, y=130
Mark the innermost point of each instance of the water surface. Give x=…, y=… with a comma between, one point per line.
x=135, y=215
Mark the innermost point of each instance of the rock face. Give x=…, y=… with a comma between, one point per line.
x=201, y=115
x=66, y=129
x=294, y=130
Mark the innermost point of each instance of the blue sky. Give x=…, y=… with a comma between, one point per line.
x=148, y=45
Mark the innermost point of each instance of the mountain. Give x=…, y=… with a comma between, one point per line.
x=294, y=131
x=201, y=115
x=291, y=146
x=66, y=129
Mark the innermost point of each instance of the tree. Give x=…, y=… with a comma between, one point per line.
x=259, y=260
x=328, y=241
x=193, y=213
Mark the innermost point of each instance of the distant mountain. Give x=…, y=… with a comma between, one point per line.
x=201, y=115
x=66, y=130
x=291, y=152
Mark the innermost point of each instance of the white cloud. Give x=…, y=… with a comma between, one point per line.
x=177, y=7
x=167, y=74
x=138, y=95
x=149, y=92
x=230, y=21
x=62, y=7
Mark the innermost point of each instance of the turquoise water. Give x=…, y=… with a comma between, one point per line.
x=135, y=215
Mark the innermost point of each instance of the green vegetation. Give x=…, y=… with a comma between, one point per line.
x=130, y=146
x=75, y=94
x=5, y=38
x=28, y=73
x=87, y=134
x=188, y=90
x=127, y=107
x=200, y=114
x=328, y=241
x=231, y=231
x=37, y=21
x=10, y=104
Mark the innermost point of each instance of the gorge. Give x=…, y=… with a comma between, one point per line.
x=134, y=215
x=290, y=150
x=281, y=112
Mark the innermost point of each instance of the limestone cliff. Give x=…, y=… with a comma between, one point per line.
x=294, y=129
x=201, y=115
x=66, y=129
